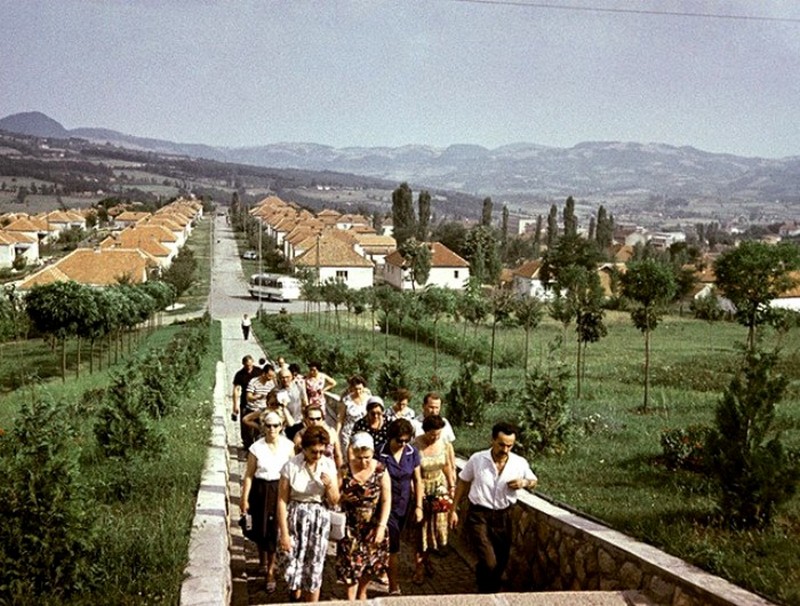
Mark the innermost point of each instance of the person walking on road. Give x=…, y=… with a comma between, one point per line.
x=246, y=323
x=491, y=480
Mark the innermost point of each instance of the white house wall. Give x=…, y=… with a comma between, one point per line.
x=6, y=255
x=790, y=303
x=357, y=277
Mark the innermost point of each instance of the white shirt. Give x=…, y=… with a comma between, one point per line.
x=304, y=486
x=447, y=431
x=270, y=462
x=488, y=489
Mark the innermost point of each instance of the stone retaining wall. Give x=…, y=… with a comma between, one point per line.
x=558, y=550
x=208, y=572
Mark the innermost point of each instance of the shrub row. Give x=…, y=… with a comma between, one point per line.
x=331, y=354
x=66, y=462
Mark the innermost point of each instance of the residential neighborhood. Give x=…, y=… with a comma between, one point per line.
x=335, y=246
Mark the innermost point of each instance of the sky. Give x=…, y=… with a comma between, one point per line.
x=396, y=72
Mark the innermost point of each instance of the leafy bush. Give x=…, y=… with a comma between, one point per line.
x=746, y=457
x=685, y=447
x=392, y=375
x=468, y=399
x=47, y=532
x=546, y=421
x=124, y=427
x=707, y=308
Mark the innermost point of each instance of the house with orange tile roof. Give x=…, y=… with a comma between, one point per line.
x=609, y=274
x=167, y=221
x=334, y=259
x=348, y=221
x=127, y=218
x=329, y=216
x=527, y=281
x=96, y=267
x=302, y=233
x=374, y=247
x=448, y=270
x=19, y=244
x=155, y=240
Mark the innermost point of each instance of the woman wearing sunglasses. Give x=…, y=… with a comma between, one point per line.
x=259, y=500
x=314, y=415
x=402, y=462
x=309, y=485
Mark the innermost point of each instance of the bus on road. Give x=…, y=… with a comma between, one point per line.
x=275, y=287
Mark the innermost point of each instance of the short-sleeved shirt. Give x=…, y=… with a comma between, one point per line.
x=402, y=475
x=304, y=486
x=242, y=379
x=261, y=390
x=269, y=462
x=488, y=489
x=448, y=435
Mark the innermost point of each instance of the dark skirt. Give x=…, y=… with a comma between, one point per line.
x=262, y=503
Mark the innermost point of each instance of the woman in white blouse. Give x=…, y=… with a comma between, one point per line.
x=309, y=484
x=265, y=460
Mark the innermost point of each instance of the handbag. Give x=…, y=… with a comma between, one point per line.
x=338, y=525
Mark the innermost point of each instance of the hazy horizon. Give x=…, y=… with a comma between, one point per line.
x=381, y=73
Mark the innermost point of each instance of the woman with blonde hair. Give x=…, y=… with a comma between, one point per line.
x=259, y=499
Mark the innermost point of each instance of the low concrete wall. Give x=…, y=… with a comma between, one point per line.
x=208, y=573
x=558, y=550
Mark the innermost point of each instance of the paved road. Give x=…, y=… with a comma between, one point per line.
x=228, y=301
x=229, y=297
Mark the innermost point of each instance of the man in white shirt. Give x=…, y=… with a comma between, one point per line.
x=491, y=480
x=291, y=396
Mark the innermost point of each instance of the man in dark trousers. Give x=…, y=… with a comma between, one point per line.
x=490, y=480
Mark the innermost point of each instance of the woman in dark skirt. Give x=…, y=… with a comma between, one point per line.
x=259, y=500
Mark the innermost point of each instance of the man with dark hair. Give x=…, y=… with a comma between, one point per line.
x=241, y=380
x=257, y=391
x=491, y=480
x=432, y=406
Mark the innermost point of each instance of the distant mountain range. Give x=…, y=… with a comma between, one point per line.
x=592, y=170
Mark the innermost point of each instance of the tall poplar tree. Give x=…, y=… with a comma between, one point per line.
x=486, y=213
x=570, y=220
x=405, y=223
x=504, y=229
x=424, y=215
x=551, y=236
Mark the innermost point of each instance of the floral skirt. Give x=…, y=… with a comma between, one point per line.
x=309, y=525
x=357, y=556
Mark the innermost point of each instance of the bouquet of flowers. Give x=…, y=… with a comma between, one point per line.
x=440, y=501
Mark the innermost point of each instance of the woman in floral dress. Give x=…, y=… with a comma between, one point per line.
x=366, y=496
x=438, y=484
x=352, y=407
x=317, y=383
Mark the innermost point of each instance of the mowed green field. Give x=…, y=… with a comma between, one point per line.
x=613, y=470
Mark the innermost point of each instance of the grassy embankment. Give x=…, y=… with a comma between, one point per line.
x=144, y=511
x=613, y=471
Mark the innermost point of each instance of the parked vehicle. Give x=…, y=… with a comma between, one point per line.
x=276, y=287
x=250, y=255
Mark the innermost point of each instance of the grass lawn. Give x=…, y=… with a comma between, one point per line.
x=613, y=471
x=142, y=507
